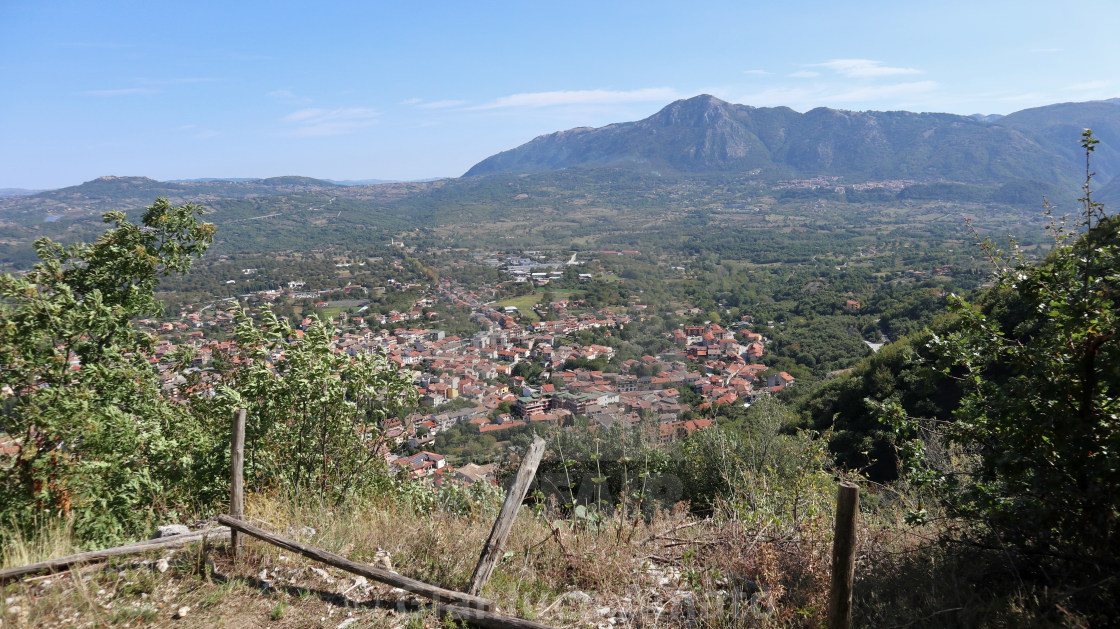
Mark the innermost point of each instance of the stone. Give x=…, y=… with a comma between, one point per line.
x=577, y=597
x=182, y=612
x=162, y=565
x=169, y=530
x=383, y=560
x=322, y=574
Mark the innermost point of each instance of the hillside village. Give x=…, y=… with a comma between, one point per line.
x=515, y=371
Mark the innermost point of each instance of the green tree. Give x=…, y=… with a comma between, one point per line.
x=314, y=415
x=1039, y=360
x=94, y=438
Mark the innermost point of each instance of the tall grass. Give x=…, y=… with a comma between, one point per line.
x=53, y=538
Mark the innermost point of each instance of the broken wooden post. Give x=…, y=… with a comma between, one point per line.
x=433, y=592
x=237, y=482
x=492, y=551
x=843, y=557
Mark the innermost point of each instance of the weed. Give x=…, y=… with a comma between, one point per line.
x=278, y=610
x=140, y=613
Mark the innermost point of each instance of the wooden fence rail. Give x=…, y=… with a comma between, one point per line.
x=426, y=590
x=65, y=563
x=465, y=607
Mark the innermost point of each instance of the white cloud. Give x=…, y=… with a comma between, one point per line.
x=804, y=98
x=582, y=97
x=862, y=68
x=805, y=74
x=880, y=92
x=197, y=133
x=121, y=92
x=178, y=81
x=315, y=122
x=1089, y=86
x=103, y=45
x=443, y=104
x=286, y=96
x=412, y=101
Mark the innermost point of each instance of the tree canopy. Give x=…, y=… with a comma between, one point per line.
x=93, y=438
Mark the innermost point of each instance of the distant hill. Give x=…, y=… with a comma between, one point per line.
x=16, y=192
x=696, y=155
x=705, y=135
x=103, y=194
x=1058, y=128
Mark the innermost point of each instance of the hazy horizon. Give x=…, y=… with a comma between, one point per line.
x=357, y=91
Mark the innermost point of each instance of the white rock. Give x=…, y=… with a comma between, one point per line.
x=322, y=574
x=162, y=565
x=347, y=623
x=171, y=529
x=383, y=560
x=603, y=611
x=182, y=612
x=577, y=597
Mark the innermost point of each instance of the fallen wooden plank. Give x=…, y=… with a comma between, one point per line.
x=64, y=563
x=487, y=620
x=492, y=551
x=435, y=593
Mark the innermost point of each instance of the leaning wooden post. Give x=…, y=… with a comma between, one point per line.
x=843, y=557
x=237, y=483
x=492, y=551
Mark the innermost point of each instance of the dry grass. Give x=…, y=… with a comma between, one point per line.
x=55, y=540
x=671, y=570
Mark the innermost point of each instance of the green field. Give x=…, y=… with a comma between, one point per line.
x=525, y=303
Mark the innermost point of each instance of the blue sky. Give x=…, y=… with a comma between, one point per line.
x=411, y=90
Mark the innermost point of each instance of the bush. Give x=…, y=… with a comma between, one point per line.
x=95, y=441
x=1039, y=360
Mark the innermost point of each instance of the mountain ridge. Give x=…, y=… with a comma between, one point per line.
x=704, y=134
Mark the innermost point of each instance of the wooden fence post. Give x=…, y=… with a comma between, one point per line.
x=237, y=483
x=492, y=551
x=843, y=557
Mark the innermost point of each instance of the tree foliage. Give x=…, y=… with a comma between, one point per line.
x=93, y=438
x=314, y=415
x=1039, y=361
